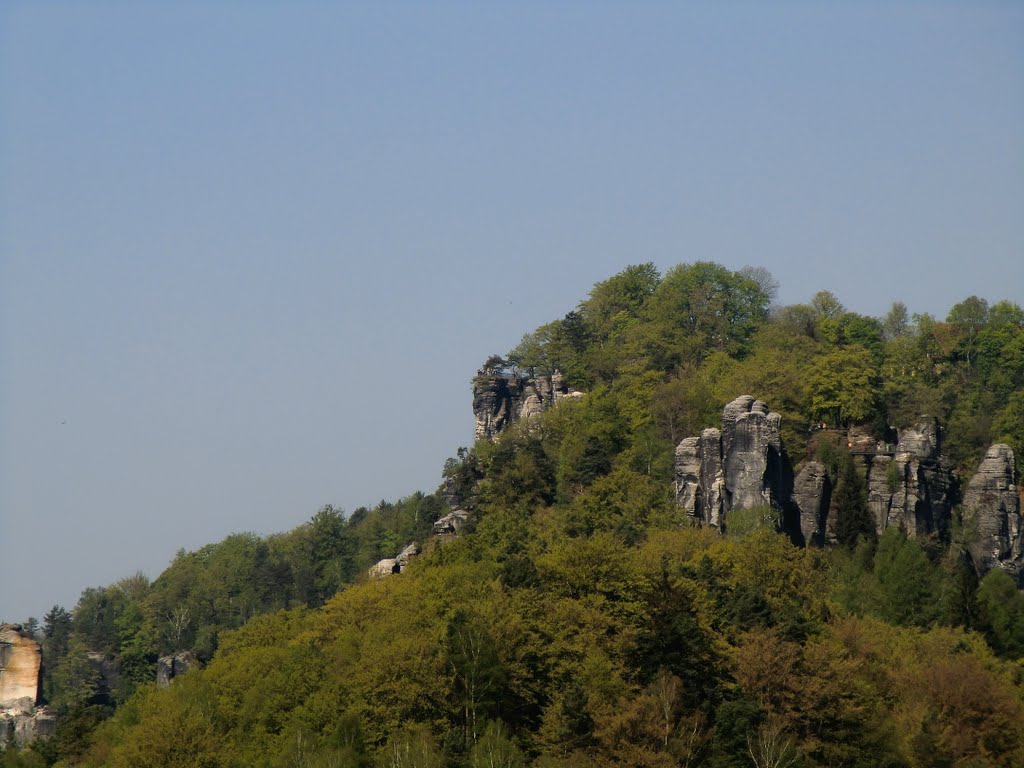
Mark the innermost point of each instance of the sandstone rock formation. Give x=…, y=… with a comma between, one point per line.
x=739, y=466
x=500, y=398
x=450, y=524
x=21, y=721
x=743, y=465
x=812, y=492
x=170, y=667
x=385, y=567
x=992, y=506
x=20, y=660
x=912, y=488
x=390, y=565
x=23, y=728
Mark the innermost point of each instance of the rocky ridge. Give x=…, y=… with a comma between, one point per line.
x=500, y=398
x=743, y=465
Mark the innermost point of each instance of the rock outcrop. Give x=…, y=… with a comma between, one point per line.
x=501, y=398
x=175, y=665
x=739, y=466
x=743, y=465
x=450, y=524
x=912, y=488
x=20, y=661
x=21, y=721
x=23, y=728
x=390, y=565
x=812, y=493
x=992, y=507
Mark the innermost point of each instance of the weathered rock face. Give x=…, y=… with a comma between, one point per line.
x=913, y=488
x=736, y=467
x=385, y=567
x=170, y=667
x=812, y=492
x=688, y=474
x=450, y=524
x=499, y=398
x=21, y=722
x=992, y=506
x=743, y=466
x=20, y=659
x=25, y=727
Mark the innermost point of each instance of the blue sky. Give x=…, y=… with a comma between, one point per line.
x=251, y=254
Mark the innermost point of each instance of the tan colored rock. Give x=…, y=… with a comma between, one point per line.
x=385, y=567
x=20, y=659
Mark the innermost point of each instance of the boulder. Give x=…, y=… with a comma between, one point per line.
x=451, y=523
x=750, y=444
x=992, y=508
x=385, y=567
x=406, y=555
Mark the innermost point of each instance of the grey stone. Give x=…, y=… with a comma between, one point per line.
x=385, y=567
x=992, y=507
x=812, y=493
x=736, y=467
x=913, y=489
x=172, y=666
x=923, y=440
x=406, y=555
x=712, y=479
x=451, y=523
x=688, y=468
x=500, y=398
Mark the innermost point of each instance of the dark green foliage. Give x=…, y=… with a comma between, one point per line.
x=735, y=719
x=674, y=640
x=850, y=502
x=1001, y=614
x=909, y=583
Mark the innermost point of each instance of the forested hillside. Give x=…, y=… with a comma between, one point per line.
x=580, y=617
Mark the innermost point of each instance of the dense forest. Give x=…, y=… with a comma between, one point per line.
x=578, y=618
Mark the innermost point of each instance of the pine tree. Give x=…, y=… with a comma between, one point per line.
x=850, y=499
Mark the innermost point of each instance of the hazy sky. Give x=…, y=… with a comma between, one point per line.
x=251, y=254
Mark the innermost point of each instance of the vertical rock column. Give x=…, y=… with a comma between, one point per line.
x=992, y=507
x=736, y=467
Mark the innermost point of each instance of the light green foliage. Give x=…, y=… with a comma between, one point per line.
x=1008, y=425
x=615, y=303
x=743, y=522
x=699, y=308
x=843, y=385
x=827, y=305
x=495, y=749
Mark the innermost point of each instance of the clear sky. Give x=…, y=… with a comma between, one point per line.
x=251, y=254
